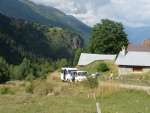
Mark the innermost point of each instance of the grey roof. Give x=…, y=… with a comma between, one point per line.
x=134, y=59
x=86, y=58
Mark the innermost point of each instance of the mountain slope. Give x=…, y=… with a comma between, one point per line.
x=20, y=39
x=24, y=9
x=137, y=35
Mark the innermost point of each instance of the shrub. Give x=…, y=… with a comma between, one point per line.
x=102, y=67
x=30, y=77
x=30, y=88
x=45, y=89
x=91, y=82
x=56, y=93
x=6, y=90
x=22, y=85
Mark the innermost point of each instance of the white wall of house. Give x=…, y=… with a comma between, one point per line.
x=124, y=70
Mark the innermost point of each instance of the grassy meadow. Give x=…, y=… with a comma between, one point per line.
x=53, y=96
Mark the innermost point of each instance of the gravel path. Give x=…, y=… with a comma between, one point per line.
x=147, y=88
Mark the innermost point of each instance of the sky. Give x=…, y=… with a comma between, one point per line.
x=131, y=13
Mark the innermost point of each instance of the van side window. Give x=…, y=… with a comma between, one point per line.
x=76, y=74
x=79, y=74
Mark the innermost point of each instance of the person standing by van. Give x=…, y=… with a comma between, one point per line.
x=73, y=77
x=64, y=73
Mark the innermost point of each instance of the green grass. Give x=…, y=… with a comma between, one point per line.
x=125, y=101
x=54, y=96
x=74, y=98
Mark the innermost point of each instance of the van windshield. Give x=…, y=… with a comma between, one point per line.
x=82, y=73
x=69, y=71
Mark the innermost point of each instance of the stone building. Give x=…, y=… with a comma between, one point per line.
x=135, y=60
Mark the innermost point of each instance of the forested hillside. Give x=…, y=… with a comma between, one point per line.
x=21, y=39
x=26, y=10
x=30, y=48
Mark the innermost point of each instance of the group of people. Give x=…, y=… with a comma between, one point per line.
x=110, y=76
x=96, y=75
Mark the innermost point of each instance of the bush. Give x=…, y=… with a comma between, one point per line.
x=30, y=77
x=91, y=82
x=6, y=90
x=22, y=85
x=30, y=89
x=45, y=89
x=102, y=67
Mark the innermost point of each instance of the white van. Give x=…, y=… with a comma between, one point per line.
x=79, y=75
x=65, y=73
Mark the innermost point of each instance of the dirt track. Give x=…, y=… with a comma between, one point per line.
x=147, y=88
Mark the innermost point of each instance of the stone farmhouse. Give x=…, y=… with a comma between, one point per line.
x=136, y=59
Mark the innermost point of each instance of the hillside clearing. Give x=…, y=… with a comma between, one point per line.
x=72, y=98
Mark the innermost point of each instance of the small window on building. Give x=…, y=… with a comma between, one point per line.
x=137, y=69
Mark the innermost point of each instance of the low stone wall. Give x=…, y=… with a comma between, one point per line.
x=146, y=69
x=124, y=70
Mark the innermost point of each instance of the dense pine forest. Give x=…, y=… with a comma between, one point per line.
x=29, y=50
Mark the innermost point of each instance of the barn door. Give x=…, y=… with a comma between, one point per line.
x=137, y=69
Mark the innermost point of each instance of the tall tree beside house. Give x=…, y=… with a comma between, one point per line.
x=107, y=37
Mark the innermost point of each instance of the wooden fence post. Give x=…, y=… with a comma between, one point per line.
x=88, y=95
x=98, y=108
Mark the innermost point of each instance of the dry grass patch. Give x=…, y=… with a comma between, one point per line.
x=108, y=88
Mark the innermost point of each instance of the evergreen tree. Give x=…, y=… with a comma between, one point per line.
x=63, y=63
x=70, y=63
x=18, y=73
x=26, y=68
x=4, y=70
x=11, y=72
x=77, y=56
